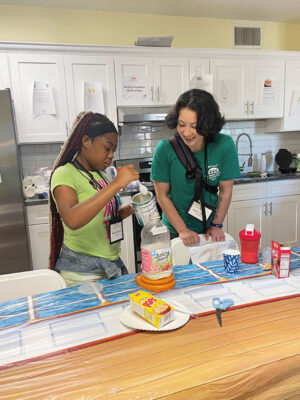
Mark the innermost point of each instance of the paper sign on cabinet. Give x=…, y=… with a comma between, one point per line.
x=43, y=100
x=93, y=97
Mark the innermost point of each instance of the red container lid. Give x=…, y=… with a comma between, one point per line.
x=256, y=235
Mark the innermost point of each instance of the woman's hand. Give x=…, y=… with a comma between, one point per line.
x=217, y=234
x=126, y=211
x=189, y=237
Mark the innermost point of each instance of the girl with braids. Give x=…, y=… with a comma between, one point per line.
x=189, y=198
x=85, y=208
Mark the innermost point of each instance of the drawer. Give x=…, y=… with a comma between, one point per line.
x=284, y=187
x=38, y=214
x=249, y=191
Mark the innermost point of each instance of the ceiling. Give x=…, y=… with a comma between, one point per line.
x=260, y=10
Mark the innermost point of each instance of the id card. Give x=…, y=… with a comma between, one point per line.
x=195, y=210
x=115, y=226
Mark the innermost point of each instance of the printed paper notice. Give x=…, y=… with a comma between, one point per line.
x=204, y=82
x=267, y=91
x=43, y=100
x=228, y=92
x=134, y=87
x=295, y=104
x=93, y=97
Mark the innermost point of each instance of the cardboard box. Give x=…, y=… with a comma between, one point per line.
x=152, y=309
x=281, y=259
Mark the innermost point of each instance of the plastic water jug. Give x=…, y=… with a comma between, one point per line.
x=249, y=240
x=156, y=249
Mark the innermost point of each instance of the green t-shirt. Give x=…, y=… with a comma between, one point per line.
x=222, y=165
x=92, y=239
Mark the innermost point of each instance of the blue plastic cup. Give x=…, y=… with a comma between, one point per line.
x=231, y=261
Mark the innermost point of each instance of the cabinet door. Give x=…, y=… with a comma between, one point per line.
x=171, y=79
x=4, y=72
x=39, y=244
x=81, y=70
x=292, y=86
x=284, y=220
x=231, y=86
x=25, y=70
x=241, y=213
x=267, y=86
x=127, y=245
x=134, y=81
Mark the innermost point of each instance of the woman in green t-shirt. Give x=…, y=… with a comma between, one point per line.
x=86, y=213
x=198, y=122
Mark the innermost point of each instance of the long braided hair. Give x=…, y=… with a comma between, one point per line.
x=85, y=123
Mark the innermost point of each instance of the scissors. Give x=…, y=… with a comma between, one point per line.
x=220, y=306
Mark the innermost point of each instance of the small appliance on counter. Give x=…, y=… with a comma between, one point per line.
x=284, y=159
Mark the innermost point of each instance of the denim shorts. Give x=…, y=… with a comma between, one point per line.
x=70, y=260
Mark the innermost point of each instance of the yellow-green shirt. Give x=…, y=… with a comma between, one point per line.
x=93, y=238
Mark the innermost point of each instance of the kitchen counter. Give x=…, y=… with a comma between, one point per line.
x=272, y=176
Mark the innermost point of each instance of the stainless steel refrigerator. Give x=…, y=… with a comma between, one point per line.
x=14, y=247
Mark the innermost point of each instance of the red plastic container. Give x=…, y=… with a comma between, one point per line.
x=249, y=240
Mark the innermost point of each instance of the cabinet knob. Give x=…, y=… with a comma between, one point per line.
x=252, y=107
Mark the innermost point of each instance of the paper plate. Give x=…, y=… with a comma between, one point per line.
x=133, y=320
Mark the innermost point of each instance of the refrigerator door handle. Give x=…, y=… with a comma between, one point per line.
x=0, y=178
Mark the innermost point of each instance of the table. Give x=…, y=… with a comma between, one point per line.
x=255, y=355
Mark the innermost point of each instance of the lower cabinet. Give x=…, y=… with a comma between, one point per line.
x=127, y=245
x=273, y=208
x=38, y=226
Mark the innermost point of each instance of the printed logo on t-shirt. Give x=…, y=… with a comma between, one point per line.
x=213, y=172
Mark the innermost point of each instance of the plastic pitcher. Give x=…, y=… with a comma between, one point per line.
x=249, y=240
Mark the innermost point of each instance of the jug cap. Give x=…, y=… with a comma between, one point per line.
x=247, y=235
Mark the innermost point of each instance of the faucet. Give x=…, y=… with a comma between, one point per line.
x=250, y=159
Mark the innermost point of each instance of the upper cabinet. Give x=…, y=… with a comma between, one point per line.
x=248, y=89
x=147, y=81
x=291, y=118
x=34, y=126
x=4, y=72
x=81, y=73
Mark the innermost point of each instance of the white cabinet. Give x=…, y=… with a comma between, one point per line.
x=4, y=72
x=127, y=245
x=87, y=69
x=249, y=89
x=273, y=208
x=147, y=81
x=25, y=70
x=38, y=226
x=289, y=122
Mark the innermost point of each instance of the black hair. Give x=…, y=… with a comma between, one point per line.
x=209, y=119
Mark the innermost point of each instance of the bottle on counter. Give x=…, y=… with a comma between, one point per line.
x=263, y=163
x=298, y=162
x=156, y=249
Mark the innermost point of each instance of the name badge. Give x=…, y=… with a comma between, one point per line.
x=115, y=226
x=195, y=210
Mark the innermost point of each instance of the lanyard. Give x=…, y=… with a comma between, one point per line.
x=96, y=185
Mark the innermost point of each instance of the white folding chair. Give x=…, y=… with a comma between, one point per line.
x=28, y=283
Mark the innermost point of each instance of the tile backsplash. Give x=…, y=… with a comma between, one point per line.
x=140, y=141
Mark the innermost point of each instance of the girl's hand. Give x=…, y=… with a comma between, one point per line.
x=127, y=174
x=189, y=237
x=217, y=234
